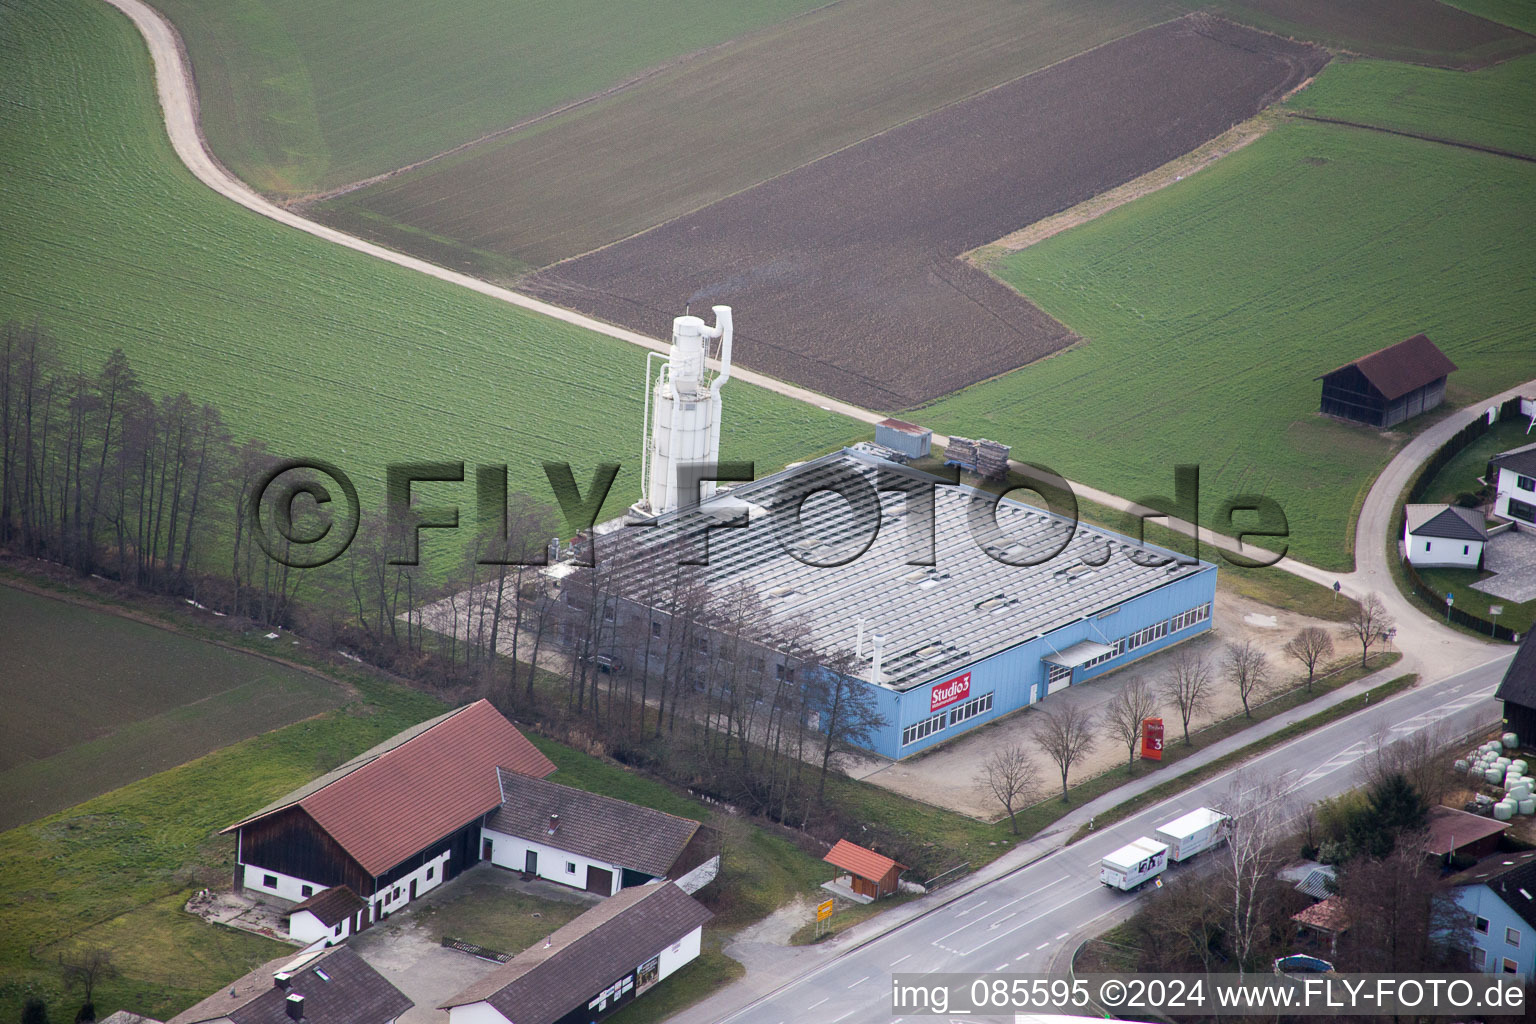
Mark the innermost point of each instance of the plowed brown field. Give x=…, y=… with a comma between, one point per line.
x=843, y=272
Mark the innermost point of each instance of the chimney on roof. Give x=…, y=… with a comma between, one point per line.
x=554, y=823
x=279, y=980
x=294, y=1004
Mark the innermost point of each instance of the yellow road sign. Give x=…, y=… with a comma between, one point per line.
x=824, y=910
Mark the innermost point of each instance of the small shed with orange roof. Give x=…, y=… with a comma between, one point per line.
x=871, y=874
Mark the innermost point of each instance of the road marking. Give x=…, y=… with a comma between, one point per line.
x=1022, y=924
x=860, y=981
x=1021, y=956
x=817, y=1003
x=1062, y=936
x=1004, y=918
x=939, y=941
x=973, y=906
x=893, y=963
x=845, y=1016
x=1041, y=946
x=1001, y=966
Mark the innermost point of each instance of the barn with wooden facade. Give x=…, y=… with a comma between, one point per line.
x=391, y=823
x=1389, y=385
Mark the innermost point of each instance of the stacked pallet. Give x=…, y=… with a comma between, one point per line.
x=992, y=459
x=961, y=452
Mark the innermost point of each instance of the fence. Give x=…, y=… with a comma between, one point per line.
x=943, y=878
x=1510, y=410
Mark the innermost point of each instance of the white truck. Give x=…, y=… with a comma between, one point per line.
x=1134, y=865
x=1193, y=833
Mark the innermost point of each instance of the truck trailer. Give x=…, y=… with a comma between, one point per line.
x=1192, y=833
x=1134, y=865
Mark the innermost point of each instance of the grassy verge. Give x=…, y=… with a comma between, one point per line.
x=1158, y=793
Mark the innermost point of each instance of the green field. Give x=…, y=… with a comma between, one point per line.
x=753, y=109
x=317, y=350
x=1212, y=305
x=94, y=701
x=299, y=96
x=1492, y=107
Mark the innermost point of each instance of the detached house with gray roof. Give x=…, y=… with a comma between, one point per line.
x=1513, y=476
x=1443, y=536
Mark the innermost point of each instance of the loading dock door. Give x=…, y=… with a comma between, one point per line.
x=599, y=880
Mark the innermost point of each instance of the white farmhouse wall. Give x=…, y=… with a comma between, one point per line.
x=680, y=952
x=285, y=887
x=476, y=1013
x=1439, y=552
x=398, y=894
x=700, y=876
x=307, y=928
x=511, y=852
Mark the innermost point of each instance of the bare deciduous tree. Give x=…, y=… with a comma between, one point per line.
x=1310, y=647
x=1065, y=733
x=1246, y=668
x=1368, y=624
x=86, y=968
x=1125, y=712
x=1012, y=777
x=1188, y=686
x=1252, y=853
x=1419, y=758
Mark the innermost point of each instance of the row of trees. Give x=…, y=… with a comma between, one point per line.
x=1066, y=735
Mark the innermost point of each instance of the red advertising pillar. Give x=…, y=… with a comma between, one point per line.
x=1151, y=739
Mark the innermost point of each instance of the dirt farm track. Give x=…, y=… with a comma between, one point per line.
x=843, y=272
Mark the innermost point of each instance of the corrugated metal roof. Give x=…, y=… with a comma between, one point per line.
x=545, y=982
x=599, y=827
x=989, y=589
x=1398, y=369
x=856, y=859
x=417, y=791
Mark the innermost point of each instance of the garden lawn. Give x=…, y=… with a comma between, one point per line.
x=1211, y=306
x=315, y=349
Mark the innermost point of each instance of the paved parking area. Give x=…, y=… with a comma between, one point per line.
x=947, y=775
x=1511, y=556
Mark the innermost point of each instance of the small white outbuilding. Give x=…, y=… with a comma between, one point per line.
x=1444, y=536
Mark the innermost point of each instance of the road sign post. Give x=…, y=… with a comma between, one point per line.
x=1450, y=599
x=823, y=915
x=1494, y=610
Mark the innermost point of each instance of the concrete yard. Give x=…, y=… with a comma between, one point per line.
x=946, y=775
x=483, y=905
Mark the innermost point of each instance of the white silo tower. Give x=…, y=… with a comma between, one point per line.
x=683, y=411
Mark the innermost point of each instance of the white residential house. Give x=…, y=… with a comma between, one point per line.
x=1513, y=475
x=1444, y=536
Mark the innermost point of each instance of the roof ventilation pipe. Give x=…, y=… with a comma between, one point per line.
x=874, y=674
x=858, y=640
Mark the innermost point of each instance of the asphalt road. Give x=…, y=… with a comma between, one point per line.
x=1028, y=920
